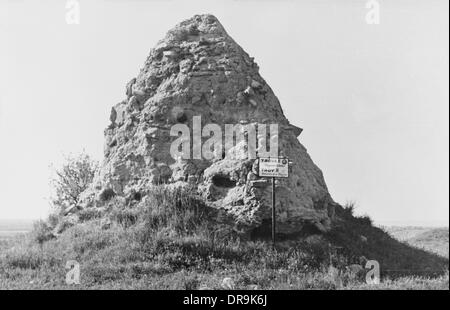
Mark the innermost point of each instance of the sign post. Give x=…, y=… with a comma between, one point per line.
x=274, y=215
x=274, y=168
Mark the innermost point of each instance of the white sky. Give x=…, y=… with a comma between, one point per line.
x=372, y=99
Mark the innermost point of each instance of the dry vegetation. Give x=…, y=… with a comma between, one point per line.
x=172, y=243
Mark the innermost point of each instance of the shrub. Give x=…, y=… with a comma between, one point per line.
x=73, y=178
x=364, y=220
x=41, y=232
x=178, y=209
x=349, y=209
x=53, y=219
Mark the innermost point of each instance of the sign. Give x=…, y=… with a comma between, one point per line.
x=274, y=167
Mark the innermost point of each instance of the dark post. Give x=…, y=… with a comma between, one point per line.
x=273, y=213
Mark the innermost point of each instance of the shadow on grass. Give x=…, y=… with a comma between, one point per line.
x=356, y=237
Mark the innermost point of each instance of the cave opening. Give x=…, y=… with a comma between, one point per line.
x=223, y=181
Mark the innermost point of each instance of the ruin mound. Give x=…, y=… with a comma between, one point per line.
x=198, y=70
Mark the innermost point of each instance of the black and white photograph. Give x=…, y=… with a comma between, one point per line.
x=224, y=149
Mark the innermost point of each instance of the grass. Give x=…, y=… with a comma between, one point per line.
x=358, y=237
x=430, y=239
x=171, y=241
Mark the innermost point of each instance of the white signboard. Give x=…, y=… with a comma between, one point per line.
x=274, y=167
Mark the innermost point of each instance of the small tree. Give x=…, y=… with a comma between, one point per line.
x=73, y=178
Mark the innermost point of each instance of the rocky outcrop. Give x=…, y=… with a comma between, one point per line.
x=199, y=70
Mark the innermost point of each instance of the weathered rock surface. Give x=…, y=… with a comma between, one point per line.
x=199, y=70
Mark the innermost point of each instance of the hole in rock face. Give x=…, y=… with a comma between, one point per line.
x=223, y=181
x=137, y=196
x=107, y=194
x=113, y=143
x=181, y=118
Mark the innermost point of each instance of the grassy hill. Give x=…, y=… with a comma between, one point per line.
x=431, y=239
x=173, y=242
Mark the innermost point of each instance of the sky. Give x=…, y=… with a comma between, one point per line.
x=372, y=98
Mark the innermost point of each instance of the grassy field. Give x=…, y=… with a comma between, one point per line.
x=13, y=227
x=172, y=243
x=13, y=232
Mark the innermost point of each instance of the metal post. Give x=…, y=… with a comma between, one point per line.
x=273, y=213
